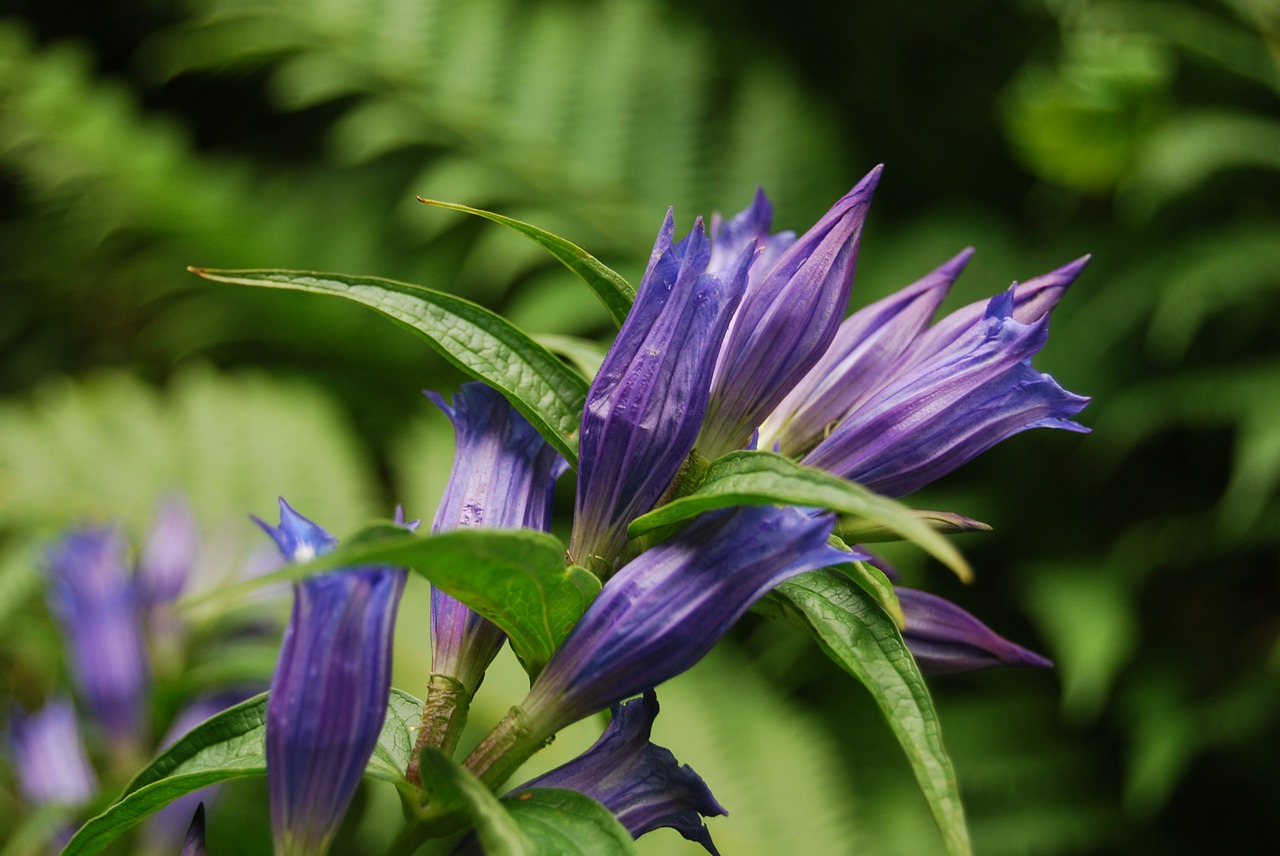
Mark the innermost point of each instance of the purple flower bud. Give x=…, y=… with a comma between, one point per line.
x=749, y=228
x=943, y=410
x=49, y=757
x=865, y=351
x=503, y=477
x=97, y=606
x=169, y=554
x=646, y=404
x=194, y=845
x=666, y=608
x=945, y=639
x=785, y=322
x=329, y=691
x=642, y=784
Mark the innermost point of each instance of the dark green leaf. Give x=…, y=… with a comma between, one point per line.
x=763, y=478
x=481, y=343
x=614, y=291
x=448, y=788
x=854, y=632
x=516, y=578
x=231, y=745
x=561, y=822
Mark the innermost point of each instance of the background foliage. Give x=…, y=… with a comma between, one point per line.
x=138, y=137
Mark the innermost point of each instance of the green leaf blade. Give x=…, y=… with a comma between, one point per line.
x=763, y=478
x=563, y=822
x=859, y=637
x=612, y=288
x=477, y=341
x=229, y=745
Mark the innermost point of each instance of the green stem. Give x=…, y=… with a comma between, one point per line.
x=504, y=749
x=413, y=836
x=444, y=715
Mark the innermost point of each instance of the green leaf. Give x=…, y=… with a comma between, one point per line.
x=231, y=745
x=763, y=478
x=448, y=788
x=562, y=822
x=537, y=822
x=854, y=632
x=516, y=578
x=481, y=343
x=614, y=291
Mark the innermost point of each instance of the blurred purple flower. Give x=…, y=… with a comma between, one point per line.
x=503, y=477
x=169, y=554
x=944, y=639
x=49, y=757
x=642, y=784
x=96, y=603
x=329, y=692
x=646, y=404
x=787, y=319
x=667, y=607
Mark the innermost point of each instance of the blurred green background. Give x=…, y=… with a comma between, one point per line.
x=139, y=136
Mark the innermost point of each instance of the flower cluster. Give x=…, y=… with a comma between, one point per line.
x=737, y=340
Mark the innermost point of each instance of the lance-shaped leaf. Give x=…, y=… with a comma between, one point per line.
x=481, y=343
x=232, y=745
x=863, y=640
x=763, y=478
x=516, y=578
x=541, y=822
x=610, y=286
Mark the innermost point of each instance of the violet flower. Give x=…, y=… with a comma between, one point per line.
x=194, y=844
x=643, y=784
x=49, y=757
x=503, y=477
x=666, y=608
x=944, y=405
x=329, y=691
x=169, y=554
x=96, y=603
x=944, y=639
x=865, y=351
x=787, y=319
x=646, y=404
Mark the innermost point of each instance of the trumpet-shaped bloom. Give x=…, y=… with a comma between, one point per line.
x=947, y=402
x=865, y=350
x=503, y=477
x=786, y=320
x=666, y=608
x=329, y=691
x=642, y=784
x=646, y=404
x=96, y=602
x=945, y=639
x=49, y=757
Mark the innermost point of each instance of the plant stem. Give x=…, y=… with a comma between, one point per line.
x=444, y=715
x=504, y=749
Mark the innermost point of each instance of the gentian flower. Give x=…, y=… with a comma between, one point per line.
x=642, y=784
x=947, y=402
x=329, y=691
x=503, y=477
x=646, y=404
x=49, y=757
x=786, y=321
x=194, y=845
x=95, y=600
x=660, y=614
x=169, y=553
x=944, y=639
x=865, y=350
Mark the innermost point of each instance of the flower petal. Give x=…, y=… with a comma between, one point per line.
x=646, y=403
x=945, y=639
x=786, y=321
